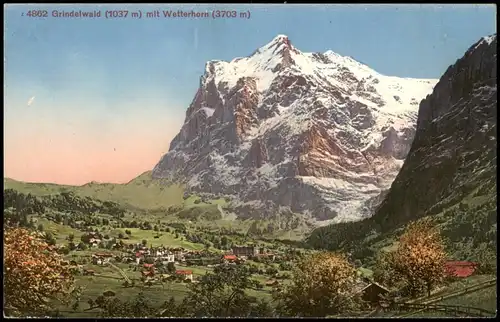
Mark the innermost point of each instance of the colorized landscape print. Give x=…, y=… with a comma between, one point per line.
x=250, y=161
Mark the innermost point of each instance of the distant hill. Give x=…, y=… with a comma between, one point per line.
x=142, y=192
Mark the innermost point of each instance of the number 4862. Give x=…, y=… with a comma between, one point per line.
x=37, y=13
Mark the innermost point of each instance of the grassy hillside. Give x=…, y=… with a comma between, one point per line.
x=148, y=199
x=142, y=192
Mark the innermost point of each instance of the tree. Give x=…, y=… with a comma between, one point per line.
x=110, y=306
x=144, y=242
x=171, y=267
x=120, y=235
x=85, y=238
x=40, y=227
x=82, y=246
x=49, y=238
x=487, y=260
x=285, y=266
x=71, y=246
x=253, y=269
x=71, y=237
x=33, y=275
x=221, y=294
x=382, y=272
x=321, y=285
x=169, y=309
x=156, y=228
x=419, y=258
x=262, y=309
x=128, y=232
x=271, y=271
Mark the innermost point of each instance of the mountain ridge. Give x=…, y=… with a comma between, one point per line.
x=283, y=130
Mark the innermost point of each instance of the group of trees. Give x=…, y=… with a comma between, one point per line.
x=286, y=223
x=269, y=270
x=35, y=279
x=64, y=208
x=23, y=203
x=321, y=285
x=209, y=239
x=418, y=262
x=69, y=202
x=417, y=265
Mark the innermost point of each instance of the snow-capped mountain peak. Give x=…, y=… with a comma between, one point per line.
x=279, y=42
x=317, y=133
x=486, y=40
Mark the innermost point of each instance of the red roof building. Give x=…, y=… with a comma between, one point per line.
x=230, y=257
x=183, y=272
x=460, y=268
x=148, y=265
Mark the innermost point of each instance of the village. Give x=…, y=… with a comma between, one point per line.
x=165, y=258
x=166, y=264
x=172, y=261
x=161, y=263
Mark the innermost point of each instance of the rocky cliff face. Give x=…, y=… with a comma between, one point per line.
x=450, y=172
x=282, y=130
x=454, y=150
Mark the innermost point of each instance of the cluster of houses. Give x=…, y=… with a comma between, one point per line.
x=149, y=273
x=238, y=254
x=101, y=258
x=95, y=239
x=138, y=253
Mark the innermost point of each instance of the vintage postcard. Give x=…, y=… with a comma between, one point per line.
x=253, y=160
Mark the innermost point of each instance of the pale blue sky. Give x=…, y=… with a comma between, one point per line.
x=103, y=75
